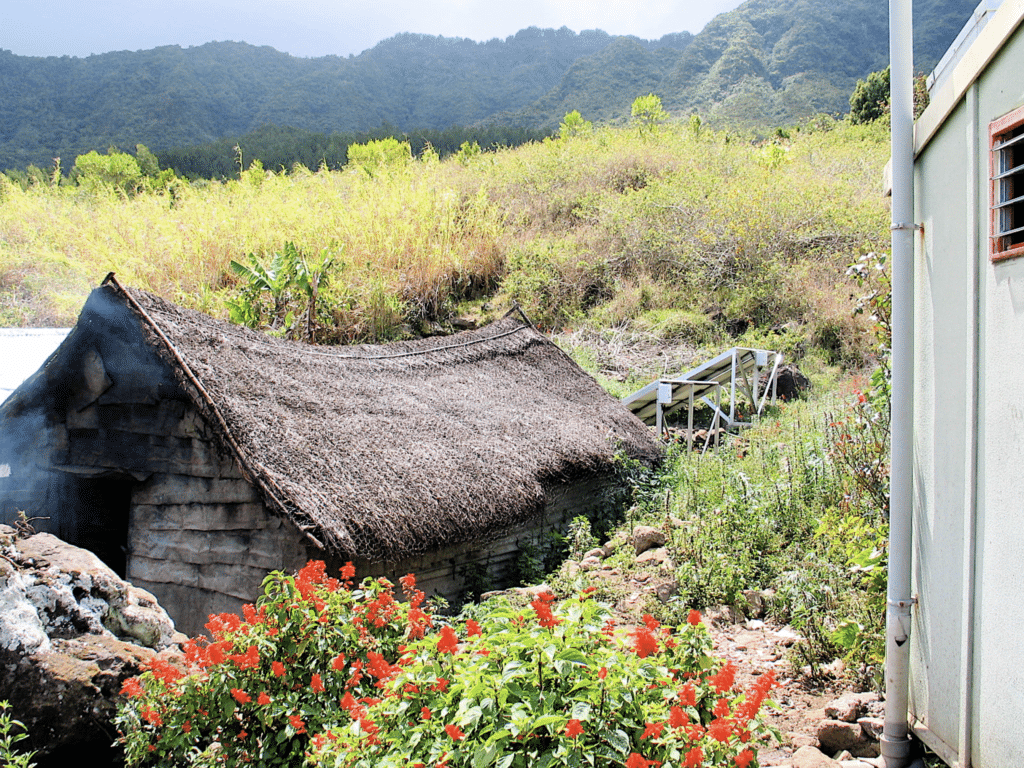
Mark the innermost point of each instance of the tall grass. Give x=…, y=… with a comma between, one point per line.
x=605, y=227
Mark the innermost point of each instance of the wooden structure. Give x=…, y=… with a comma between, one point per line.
x=195, y=456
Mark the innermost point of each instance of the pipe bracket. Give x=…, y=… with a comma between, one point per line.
x=901, y=227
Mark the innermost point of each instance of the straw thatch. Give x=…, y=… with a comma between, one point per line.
x=380, y=452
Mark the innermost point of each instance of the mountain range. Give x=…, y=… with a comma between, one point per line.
x=767, y=63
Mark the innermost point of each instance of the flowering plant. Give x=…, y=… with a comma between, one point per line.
x=311, y=653
x=555, y=686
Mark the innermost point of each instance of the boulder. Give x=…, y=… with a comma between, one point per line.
x=790, y=382
x=849, y=706
x=71, y=633
x=645, y=537
x=836, y=735
x=809, y=757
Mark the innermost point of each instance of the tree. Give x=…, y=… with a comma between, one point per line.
x=379, y=154
x=573, y=124
x=115, y=170
x=870, y=98
x=648, y=113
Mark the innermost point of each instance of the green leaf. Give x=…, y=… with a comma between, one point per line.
x=484, y=756
x=619, y=741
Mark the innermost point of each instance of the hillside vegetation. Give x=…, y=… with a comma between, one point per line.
x=677, y=230
x=767, y=63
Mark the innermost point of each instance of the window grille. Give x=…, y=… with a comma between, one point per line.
x=1007, y=185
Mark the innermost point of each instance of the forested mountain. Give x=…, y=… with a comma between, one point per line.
x=767, y=62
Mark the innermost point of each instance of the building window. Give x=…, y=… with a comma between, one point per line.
x=1006, y=139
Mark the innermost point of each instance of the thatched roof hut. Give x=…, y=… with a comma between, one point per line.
x=376, y=453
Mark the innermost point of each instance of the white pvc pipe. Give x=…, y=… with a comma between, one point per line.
x=895, y=741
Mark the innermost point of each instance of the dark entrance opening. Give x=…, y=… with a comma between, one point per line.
x=94, y=515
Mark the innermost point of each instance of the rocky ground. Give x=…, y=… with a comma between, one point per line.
x=825, y=721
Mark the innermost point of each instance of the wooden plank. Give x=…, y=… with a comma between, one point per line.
x=182, y=489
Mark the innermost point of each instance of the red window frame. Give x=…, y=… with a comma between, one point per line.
x=1006, y=186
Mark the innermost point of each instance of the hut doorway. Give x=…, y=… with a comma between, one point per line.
x=94, y=512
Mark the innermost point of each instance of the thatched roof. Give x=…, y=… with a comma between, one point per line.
x=384, y=451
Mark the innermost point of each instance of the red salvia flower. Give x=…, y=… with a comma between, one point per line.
x=636, y=760
x=297, y=724
x=425, y=713
x=694, y=758
x=454, y=732
x=694, y=618
x=653, y=729
x=277, y=668
x=720, y=729
x=677, y=718
x=644, y=643
x=440, y=685
x=602, y=673
x=473, y=628
x=240, y=696
x=348, y=571
x=338, y=662
x=688, y=696
x=721, y=708
x=744, y=758
x=152, y=717
x=573, y=728
x=723, y=680
x=132, y=687
x=317, y=683
x=651, y=622
x=263, y=699
x=247, y=660
x=449, y=642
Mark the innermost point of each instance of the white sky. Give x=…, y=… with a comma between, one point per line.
x=321, y=27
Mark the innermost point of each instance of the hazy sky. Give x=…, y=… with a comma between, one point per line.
x=321, y=27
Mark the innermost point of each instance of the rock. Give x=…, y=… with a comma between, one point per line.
x=533, y=591
x=872, y=727
x=809, y=757
x=849, y=706
x=836, y=735
x=658, y=555
x=598, y=552
x=666, y=590
x=590, y=562
x=71, y=633
x=799, y=740
x=645, y=537
x=745, y=639
x=755, y=605
x=789, y=382
x=609, y=548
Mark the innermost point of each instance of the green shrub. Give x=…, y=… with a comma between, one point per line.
x=270, y=680
x=11, y=757
x=555, y=686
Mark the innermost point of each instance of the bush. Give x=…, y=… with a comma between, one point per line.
x=555, y=686
x=267, y=681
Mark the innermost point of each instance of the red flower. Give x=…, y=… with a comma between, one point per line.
x=573, y=728
x=132, y=687
x=152, y=717
x=653, y=729
x=644, y=643
x=348, y=571
x=473, y=628
x=694, y=758
x=247, y=660
x=602, y=673
x=688, y=696
x=721, y=708
x=297, y=724
x=317, y=683
x=440, y=685
x=743, y=758
x=636, y=760
x=694, y=618
x=263, y=699
x=425, y=713
x=454, y=732
x=278, y=668
x=449, y=642
x=338, y=662
x=187, y=726
x=651, y=622
x=720, y=730
x=240, y=696
x=677, y=718
x=723, y=680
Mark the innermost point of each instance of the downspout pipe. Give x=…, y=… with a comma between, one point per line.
x=895, y=740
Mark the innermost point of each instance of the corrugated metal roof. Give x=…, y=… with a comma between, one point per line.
x=22, y=353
